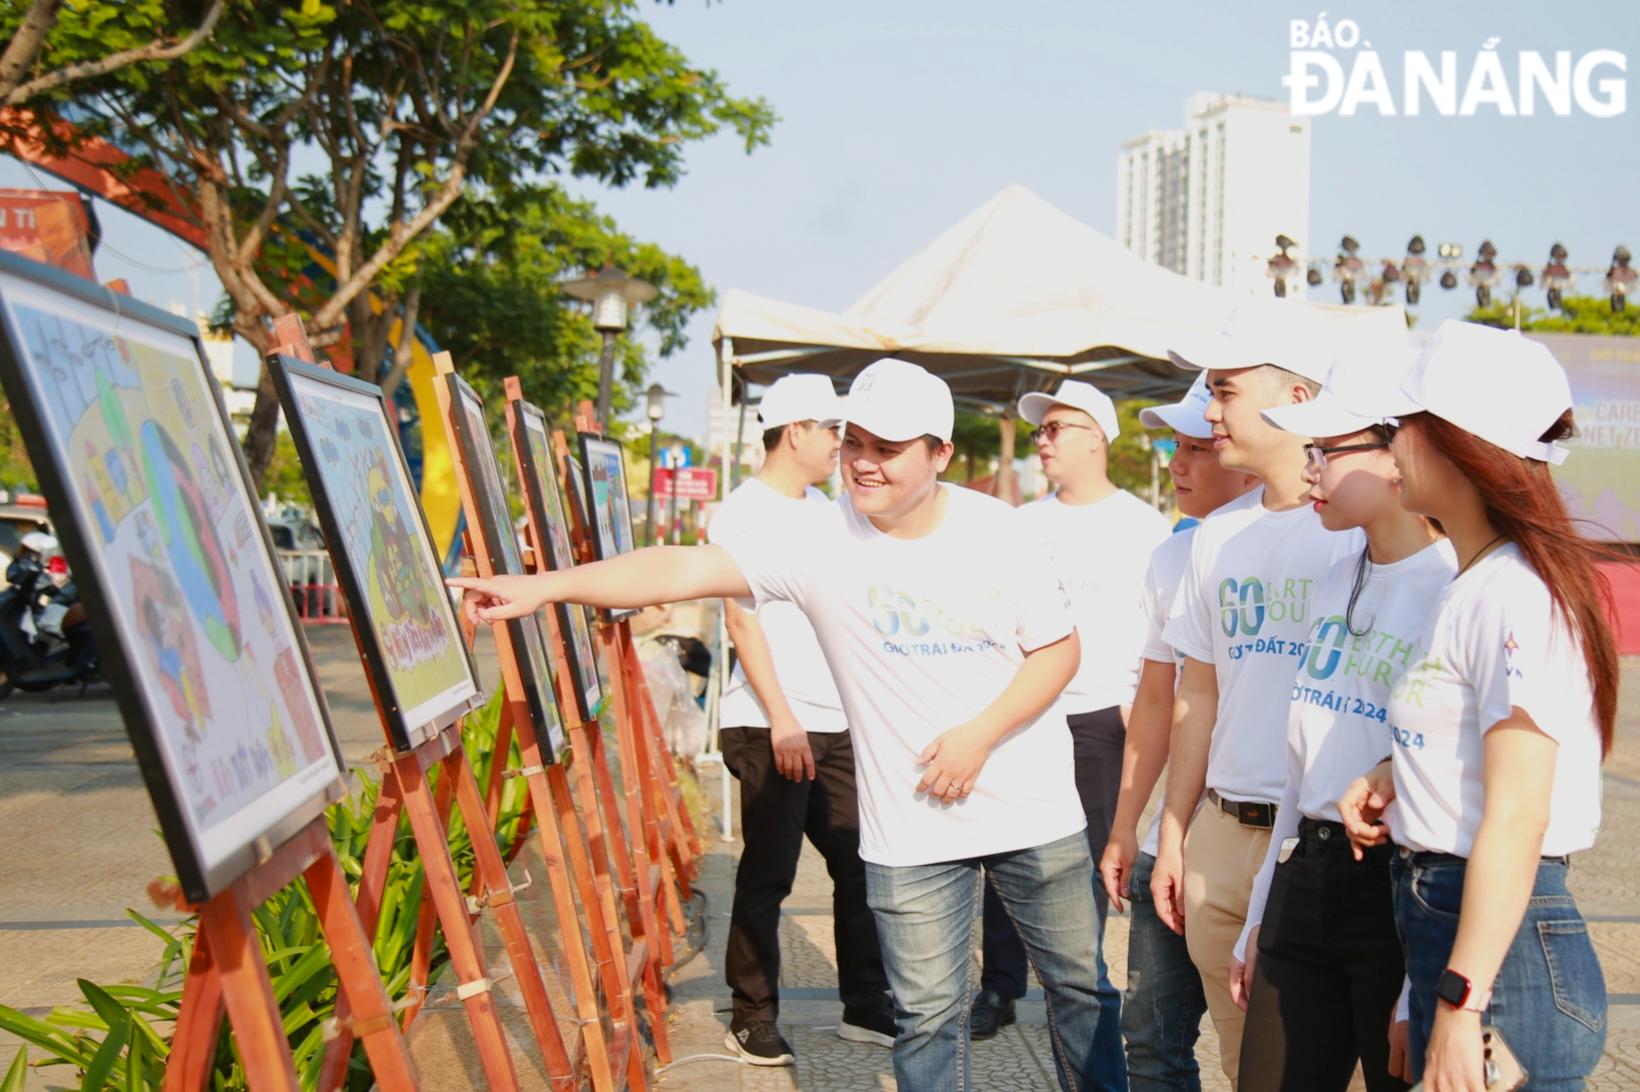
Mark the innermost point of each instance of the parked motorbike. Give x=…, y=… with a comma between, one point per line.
x=44, y=641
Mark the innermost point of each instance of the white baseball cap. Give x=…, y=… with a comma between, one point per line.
x=896, y=400
x=1077, y=395
x=1187, y=416
x=800, y=398
x=1494, y=384
x=1288, y=335
x=1364, y=389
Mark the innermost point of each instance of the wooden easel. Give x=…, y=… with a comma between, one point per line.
x=622, y=972
x=227, y=971
x=660, y=830
x=404, y=788
x=553, y=810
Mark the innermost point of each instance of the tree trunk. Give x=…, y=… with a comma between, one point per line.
x=264, y=423
x=1004, y=485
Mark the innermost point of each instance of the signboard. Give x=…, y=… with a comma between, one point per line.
x=1601, y=478
x=47, y=226
x=687, y=483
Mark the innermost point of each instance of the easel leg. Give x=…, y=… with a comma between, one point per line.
x=466, y=957
x=359, y=978
x=656, y=831
x=378, y=856
x=498, y=888
x=640, y=819
x=253, y=1013
x=421, y=953
x=545, y=805
x=688, y=849
x=199, y=1022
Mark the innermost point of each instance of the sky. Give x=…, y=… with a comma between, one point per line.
x=899, y=117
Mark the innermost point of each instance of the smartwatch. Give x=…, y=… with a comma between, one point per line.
x=1459, y=992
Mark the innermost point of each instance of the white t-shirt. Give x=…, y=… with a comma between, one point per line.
x=1245, y=607
x=1099, y=552
x=1494, y=642
x=1162, y=577
x=1337, y=729
x=921, y=635
x=798, y=662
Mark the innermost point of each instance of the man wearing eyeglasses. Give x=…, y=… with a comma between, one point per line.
x=1099, y=540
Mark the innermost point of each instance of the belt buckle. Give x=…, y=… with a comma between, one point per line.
x=1251, y=813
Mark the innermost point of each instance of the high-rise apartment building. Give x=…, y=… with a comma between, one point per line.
x=1208, y=200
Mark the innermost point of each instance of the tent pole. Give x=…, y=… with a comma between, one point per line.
x=720, y=658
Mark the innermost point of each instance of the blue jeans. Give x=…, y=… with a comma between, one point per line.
x=1096, y=741
x=925, y=921
x=1163, y=1006
x=1549, y=1000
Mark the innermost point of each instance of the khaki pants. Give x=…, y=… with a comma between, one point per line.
x=1221, y=858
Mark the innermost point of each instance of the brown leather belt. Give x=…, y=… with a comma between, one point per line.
x=1249, y=813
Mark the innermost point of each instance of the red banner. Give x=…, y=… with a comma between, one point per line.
x=689, y=482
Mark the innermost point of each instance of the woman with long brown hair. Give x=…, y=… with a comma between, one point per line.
x=1497, y=735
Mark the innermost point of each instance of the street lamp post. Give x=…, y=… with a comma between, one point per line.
x=656, y=408
x=611, y=293
x=677, y=461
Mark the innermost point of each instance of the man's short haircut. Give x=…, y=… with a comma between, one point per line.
x=932, y=443
x=1284, y=378
x=772, y=437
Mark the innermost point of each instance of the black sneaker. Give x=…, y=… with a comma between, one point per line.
x=759, y=1042
x=872, y=1023
x=992, y=1012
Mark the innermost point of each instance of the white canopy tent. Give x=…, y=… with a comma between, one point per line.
x=1013, y=298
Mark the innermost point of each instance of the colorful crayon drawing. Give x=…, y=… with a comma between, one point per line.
x=544, y=483
x=142, y=448
x=361, y=481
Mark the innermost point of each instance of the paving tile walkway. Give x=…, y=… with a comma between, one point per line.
x=77, y=846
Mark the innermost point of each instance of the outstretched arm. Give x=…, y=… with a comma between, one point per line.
x=643, y=578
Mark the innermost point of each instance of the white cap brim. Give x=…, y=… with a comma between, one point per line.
x=1035, y=406
x=1323, y=415
x=885, y=424
x=1185, y=420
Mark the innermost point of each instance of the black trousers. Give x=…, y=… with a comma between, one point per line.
x=1096, y=741
x=775, y=814
x=1329, y=970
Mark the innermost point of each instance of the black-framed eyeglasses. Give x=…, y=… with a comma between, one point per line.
x=1052, y=429
x=1316, y=456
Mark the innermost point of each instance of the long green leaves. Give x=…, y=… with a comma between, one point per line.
x=117, y=1041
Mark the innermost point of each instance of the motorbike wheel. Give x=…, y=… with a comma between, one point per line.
x=6, y=684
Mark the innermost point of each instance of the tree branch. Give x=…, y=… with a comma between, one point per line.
x=400, y=234
x=160, y=49
x=25, y=45
x=405, y=353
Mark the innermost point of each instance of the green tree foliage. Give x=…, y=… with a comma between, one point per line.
x=361, y=124
x=490, y=278
x=1578, y=315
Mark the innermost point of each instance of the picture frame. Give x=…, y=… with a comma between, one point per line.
x=154, y=506
x=495, y=541
x=408, y=631
x=549, y=520
x=577, y=498
x=607, y=506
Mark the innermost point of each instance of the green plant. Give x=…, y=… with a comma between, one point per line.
x=116, y=1043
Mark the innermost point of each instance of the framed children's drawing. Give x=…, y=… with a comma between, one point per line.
x=154, y=506
x=544, y=505
x=489, y=521
x=384, y=557
x=603, y=466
